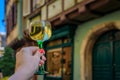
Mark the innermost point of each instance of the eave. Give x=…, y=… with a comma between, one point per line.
x=85, y=11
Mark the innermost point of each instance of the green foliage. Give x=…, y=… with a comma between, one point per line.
x=7, y=63
x=5, y=78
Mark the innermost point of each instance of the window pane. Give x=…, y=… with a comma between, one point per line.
x=59, y=63
x=54, y=62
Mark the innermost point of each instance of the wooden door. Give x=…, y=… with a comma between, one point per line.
x=106, y=57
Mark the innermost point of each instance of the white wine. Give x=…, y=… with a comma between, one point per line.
x=40, y=30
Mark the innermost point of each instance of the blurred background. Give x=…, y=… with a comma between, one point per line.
x=85, y=42
x=2, y=26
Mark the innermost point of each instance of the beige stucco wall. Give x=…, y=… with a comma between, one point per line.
x=82, y=35
x=13, y=35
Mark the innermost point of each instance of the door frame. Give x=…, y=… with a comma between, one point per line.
x=87, y=46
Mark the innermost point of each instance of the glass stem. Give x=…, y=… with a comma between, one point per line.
x=40, y=44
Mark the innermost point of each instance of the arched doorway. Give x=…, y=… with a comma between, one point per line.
x=106, y=56
x=86, y=49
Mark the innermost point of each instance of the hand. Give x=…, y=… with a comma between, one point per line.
x=27, y=63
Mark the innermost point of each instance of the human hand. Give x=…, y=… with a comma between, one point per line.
x=27, y=63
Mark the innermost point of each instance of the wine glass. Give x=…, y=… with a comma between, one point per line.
x=40, y=31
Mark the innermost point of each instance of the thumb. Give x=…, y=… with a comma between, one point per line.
x=33, y=49
x=29, y=50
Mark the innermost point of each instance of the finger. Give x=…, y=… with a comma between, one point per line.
x=41, y=62
x=43, y=58
x=33, y=48
x=37, y=54
x=29, y=50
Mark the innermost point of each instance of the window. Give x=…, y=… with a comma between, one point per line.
x=11, y=16
x=14, y=14
x=8, y=26
x=10, y=20
x=26, y=7
x=59, y=61
x=59, y=54
x=54, y=62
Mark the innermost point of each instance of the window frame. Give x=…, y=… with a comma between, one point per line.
x=68, y=32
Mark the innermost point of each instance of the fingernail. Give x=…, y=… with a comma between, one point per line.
x=41, y=51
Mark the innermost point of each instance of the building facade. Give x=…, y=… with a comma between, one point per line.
x=2, y=43
x=85, y=39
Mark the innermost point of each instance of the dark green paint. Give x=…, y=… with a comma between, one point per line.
x=106, y=57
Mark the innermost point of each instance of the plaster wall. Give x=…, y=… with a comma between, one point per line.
x=82, y=32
